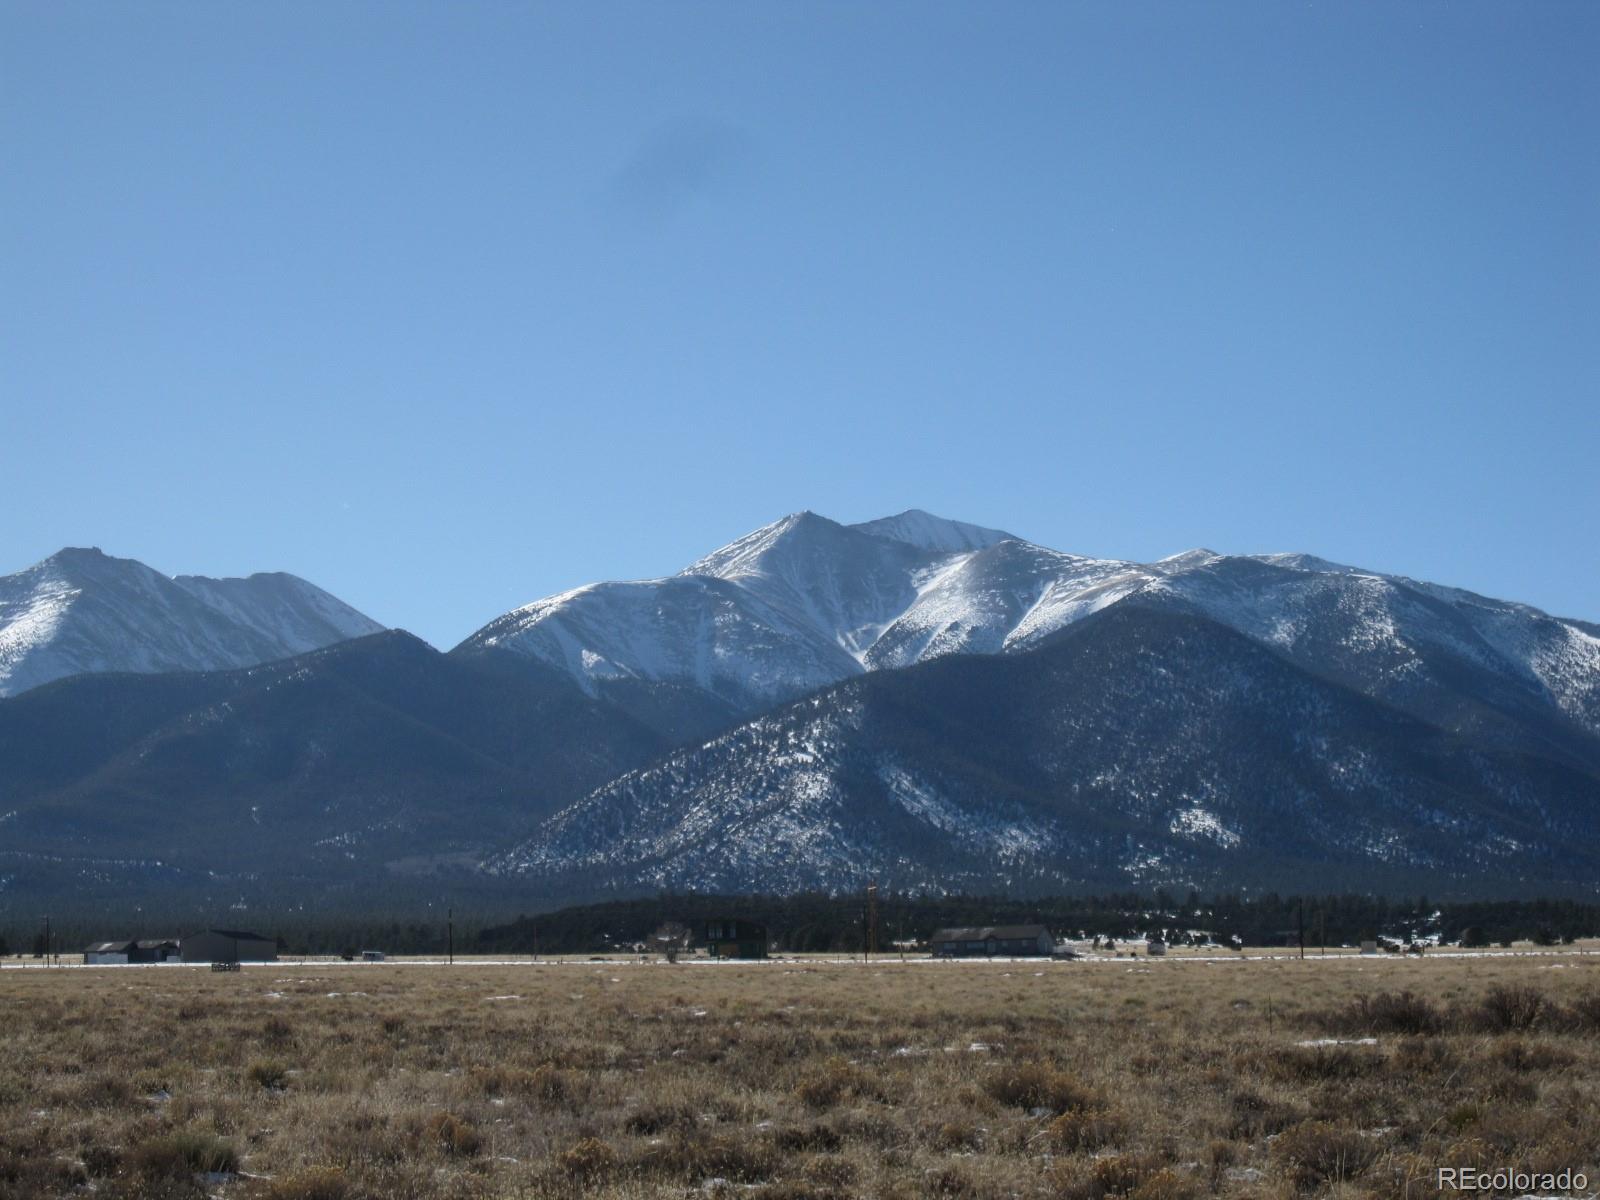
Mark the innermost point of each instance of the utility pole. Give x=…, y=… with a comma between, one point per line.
x=450, y=934
x=47, y=939
x=1300, y=918
x=1322, y=928
x=872, y=920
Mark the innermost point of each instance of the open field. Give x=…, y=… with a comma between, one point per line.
x=1119, y=1078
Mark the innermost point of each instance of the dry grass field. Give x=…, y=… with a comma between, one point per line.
x=1132, y=1078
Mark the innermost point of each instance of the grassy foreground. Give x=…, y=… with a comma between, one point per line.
x=1128, y=1078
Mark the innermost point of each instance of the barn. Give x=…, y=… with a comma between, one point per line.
x=102, y=953
x=227, y=945
x=736, y=939
x=993, y=941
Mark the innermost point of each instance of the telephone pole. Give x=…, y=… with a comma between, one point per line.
x=872, y=920
x=1300, y=919
x=450, y=934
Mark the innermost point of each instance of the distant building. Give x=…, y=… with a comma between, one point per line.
x=736, y=939
x=372, y=956
x=156, y=950
x=104, y=953
x=114, y=953
x=993, y=941
x=227, y=945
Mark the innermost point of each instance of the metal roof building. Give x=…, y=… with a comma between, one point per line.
x=993, y=941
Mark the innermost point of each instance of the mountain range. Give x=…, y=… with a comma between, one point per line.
x=936, y=704
x=81, y=611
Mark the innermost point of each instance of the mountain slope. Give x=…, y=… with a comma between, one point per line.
x=332, y=765
x=82, y=611
x=1140, y=746
x=806, y=602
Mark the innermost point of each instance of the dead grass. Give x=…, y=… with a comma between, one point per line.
x=797, y=1081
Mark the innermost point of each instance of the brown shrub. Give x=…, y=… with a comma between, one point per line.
x=654, y=1118
x=1311, y=1063
x=833, y=1081
x=1390, y=1012
x=451, y=1134
x=1123, y=1177
x=695, y=1158
x=1519, y=1054
x=588, y=1160
x=1424, y=1055
x=1086, y=1129
x=1584, y=1015
x=816, y=1136
x=1165, y=1184
x=273, y=1077
x=948, y=1181
x=956, y=1135
x=1035, y=1085
x=1255, y=1115
x=186, y=1152
x=550, y=1085
x=1511, y=1008
x=1319, y=1152
x=309, y=1183
x=275, y=1031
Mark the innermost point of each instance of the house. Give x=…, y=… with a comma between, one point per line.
x=227, y=945
x=990, y=941
x=102, y=953
x=736, y=939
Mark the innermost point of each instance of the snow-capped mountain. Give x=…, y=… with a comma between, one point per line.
x=1142, y=746
x=84, y=611
x=806, y=602
x=930, y=702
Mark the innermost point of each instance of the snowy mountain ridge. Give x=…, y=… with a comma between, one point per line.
x=82, y=611
x=1146, y=747
x=806, y=601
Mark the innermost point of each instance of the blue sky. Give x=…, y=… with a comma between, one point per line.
x=447, y=307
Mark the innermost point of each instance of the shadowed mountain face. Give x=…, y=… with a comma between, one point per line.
x=377, y=751
x=1140, y=747
x=82, y=611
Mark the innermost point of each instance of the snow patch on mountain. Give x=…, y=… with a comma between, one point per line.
x=82, y=611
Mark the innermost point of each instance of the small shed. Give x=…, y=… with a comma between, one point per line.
x=736, y=939
x=992, y=941
x=372, y=956
x=227, y=945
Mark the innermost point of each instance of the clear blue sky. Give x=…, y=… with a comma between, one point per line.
x=446, y=307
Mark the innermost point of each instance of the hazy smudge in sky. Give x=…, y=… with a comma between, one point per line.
x=677, y=161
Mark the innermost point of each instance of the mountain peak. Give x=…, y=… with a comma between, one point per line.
x=919, y=528
x=84, y=611
x=1189, y=558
